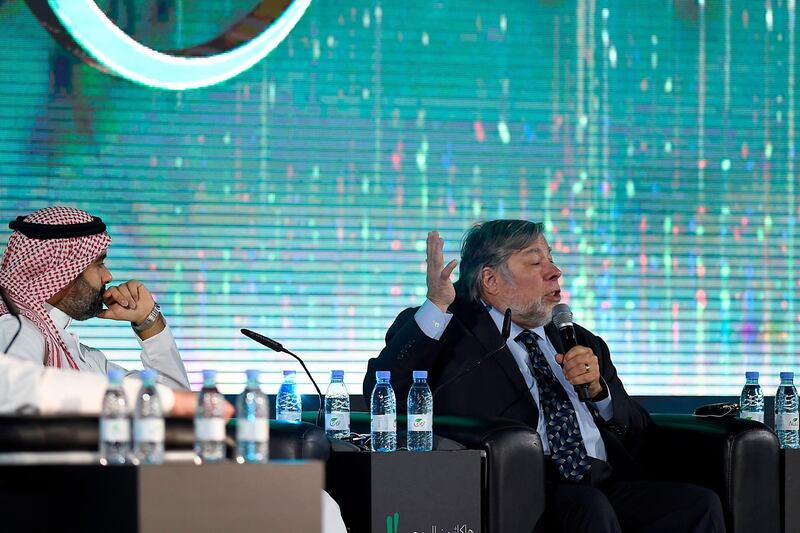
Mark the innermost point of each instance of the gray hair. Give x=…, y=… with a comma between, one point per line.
x=490, y=244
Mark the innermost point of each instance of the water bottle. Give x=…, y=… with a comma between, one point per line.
x=252, y=423
x=383, y=410
x=751, y=402
x=420, y=414
x=115, y=425
x=787, y=419
x=209, y=422
x=148, y=423
x=337, y=407
x=288, y=405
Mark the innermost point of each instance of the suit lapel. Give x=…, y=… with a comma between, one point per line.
x=475, y=319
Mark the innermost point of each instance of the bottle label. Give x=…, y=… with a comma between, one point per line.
x=115, y=430
x=337, y=421
x=252, y=430
x=787, y=422
x=758, y=416
x=209, y=429
x=288, y=416
x=420, y=422
x=148, y=430
x=383, y=423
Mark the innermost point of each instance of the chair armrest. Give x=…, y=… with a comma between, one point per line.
x=80, y=433
x=297, y=440
x=515, y=468
x=738, y=459
x=74, y=433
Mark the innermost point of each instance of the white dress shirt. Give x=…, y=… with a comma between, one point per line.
x=433, y=322
x=159, y=352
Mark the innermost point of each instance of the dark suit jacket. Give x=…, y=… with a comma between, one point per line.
x=496, y=387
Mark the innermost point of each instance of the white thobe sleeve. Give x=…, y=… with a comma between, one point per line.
x=30, y=388
x=160, y=353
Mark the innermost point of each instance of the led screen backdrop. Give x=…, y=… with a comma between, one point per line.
x=656, y=140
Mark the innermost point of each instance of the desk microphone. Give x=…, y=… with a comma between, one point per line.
x=13, y=310
x=278, y=347
x=505, y=332
x=562, y=320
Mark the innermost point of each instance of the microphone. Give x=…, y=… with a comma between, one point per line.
x=13, y=310
x=562, y=320
x=278, y=347
x=505, y=332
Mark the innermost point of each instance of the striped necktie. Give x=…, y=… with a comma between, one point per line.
x=561, y=424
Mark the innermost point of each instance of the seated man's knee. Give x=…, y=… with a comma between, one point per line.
x=700, y=508
x=708, y=507
x=581, y=508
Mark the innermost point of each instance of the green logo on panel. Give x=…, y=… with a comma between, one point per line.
x=392, y=522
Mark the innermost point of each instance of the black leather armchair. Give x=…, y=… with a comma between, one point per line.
x=738, y=459
x=514, y=495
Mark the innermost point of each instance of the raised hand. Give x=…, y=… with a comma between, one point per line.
x=440, y=288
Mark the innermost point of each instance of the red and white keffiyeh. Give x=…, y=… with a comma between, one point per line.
x=33, y=270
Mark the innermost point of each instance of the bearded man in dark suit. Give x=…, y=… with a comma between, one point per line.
x=594, y=482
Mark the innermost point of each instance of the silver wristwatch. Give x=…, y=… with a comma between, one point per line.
x=149, y=321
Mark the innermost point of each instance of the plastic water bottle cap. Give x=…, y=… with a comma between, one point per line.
x=751, y=375
x=115, y=375
x=252, y=374
x=337, y=374
x=289, y=373
x=420, y=374
x=209, y=374
x=383, y=374
x=149, y=375
x=787, y=375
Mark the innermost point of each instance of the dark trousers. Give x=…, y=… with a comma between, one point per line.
x=615, y=506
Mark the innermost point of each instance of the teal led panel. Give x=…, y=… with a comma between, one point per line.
x=656, y=140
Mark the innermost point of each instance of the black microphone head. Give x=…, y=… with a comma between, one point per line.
x=562, y=316
x=13, y=310
x=261, y=339
x=506, y=324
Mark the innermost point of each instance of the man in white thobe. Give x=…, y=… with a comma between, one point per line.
x=54, y=272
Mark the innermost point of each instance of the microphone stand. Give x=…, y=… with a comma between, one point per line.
x=278, y=347
x=505, y=333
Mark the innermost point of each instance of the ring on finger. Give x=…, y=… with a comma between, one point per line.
x=587, y=368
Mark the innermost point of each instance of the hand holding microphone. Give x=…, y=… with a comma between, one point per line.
x=579, y=363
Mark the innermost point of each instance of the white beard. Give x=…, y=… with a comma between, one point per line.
x=533, y=315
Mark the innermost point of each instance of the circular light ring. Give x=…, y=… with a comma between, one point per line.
x=83, y=29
